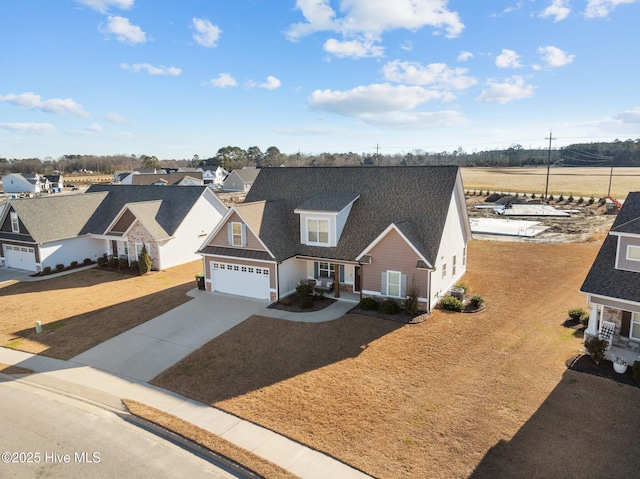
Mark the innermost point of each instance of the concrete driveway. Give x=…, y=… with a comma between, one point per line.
x=147, y=350
x=11, y=274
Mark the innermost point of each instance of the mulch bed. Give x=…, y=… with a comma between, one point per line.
x=402, y=317
x=67, y=268
x=319, y=303
x=584, y=364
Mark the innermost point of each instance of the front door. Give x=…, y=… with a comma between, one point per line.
x=358, y=272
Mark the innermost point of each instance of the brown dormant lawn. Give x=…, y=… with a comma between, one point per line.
x=455, y=396
x=83, y=309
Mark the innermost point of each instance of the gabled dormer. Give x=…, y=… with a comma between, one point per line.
x=628, y=247
x=323, y=216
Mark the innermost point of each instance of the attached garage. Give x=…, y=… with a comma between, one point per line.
x=240, y=279
x=19, y=257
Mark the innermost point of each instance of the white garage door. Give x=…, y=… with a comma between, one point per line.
x=19, y=257
x=241, y=280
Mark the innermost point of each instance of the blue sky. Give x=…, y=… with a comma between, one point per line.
x=178, y=78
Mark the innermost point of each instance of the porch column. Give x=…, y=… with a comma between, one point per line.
x=336, y=280
x=592, y=328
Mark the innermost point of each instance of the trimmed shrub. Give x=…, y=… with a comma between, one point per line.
x=551, y=198
x=476, y=301
x=596, y=348
x=134, y=266
x=411, y=303
x=306, y=302
x=533, y=196
x=591, y=201
x=102, y=261
x=389, y=306
x=112, y=263
x=463, y=286
x=561, y=198
x=579, y=314
x=74, y=264
x=451, y=303
x=635, y=370
x=580, y=200
x=144, y=260
x=570, y=200
x=59, y=267
x=123, y=263
x=304, y=289
x=46, y=270
x=87, y=261
x=369, y=304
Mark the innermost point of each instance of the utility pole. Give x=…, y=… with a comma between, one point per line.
x=610, y=178
x=377, y=154
x=546, y=188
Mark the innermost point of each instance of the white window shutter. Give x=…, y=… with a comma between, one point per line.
x=229, y=233
x=383, y=283
x=244, y=234
x=403, y=285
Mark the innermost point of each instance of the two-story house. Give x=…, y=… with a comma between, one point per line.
x=612, y=285
x=373, y=230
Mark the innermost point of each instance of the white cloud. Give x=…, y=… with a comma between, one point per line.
x=207, y=34
x=40, y=128
x=353, y=48
x=464, y=56
x=32, y=101
x=629, y=116
x=602, y=8
x=433, y=119
x=558, y=9
x=513, y=88
x=368, y=19
x=272, y=83
x=94, y=127
x=373, y=99
x=124, y=31
x=438, y=75
x=151, y=70
x=407, y=46
x=115, y=118
x=103, y=5
x=554, y=57
x=508, y=59
x=224, y=80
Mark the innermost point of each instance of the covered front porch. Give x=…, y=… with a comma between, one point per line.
x=345, y=285
x=619, y=327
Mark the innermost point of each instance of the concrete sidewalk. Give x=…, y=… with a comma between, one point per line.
x=107, y=388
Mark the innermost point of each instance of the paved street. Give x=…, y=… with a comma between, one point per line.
x=47, y=435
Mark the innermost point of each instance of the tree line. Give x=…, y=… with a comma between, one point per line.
x=618, y=153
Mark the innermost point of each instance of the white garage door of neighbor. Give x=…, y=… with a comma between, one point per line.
x=241, y=280
x=19, y=257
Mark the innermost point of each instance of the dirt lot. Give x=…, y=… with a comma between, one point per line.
x=576, y=181
x=83, y=309
x=481, y=395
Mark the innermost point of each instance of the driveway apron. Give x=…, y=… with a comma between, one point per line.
x=147, y=350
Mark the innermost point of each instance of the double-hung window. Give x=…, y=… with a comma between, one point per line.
x=634, y=331
x=318, y=231
x=394, y=281
x=236, y=234
x=325, y=270
x=15, y=225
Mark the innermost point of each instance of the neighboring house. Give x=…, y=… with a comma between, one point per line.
x=56, y=182
x=108, y=219
x=383, y=229
x=214, y=177
x=612, y=285
x=21, y=183
x=241, y=180
x=178, y=178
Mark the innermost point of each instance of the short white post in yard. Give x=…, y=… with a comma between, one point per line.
x=592, y=327
x=38, y=327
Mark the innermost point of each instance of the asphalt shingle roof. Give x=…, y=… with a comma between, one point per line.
x=170, y=178
x=330, y=202
x=603, y=278
x=416, y=197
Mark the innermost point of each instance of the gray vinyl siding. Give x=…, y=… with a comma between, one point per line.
x=622, y=261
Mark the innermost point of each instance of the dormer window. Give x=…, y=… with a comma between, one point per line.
x=317, y=231
x=15, y=224
x=237, y=234
x=633, y=253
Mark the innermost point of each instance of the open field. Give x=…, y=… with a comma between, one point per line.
x=83, y=309
x=585, y=182
x=480, y=395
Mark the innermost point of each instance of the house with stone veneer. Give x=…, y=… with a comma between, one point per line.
x=375, y=231
x=115, y=220
x=612, y=286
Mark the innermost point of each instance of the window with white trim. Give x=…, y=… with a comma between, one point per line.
x=634, y=330
x=325, y=270
x=236, y=234
x=444, y=270
x=633, y=253
x=15, y=224
x=394, y=283
x=139, y=249
x=453, y=266
x=318, y=231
